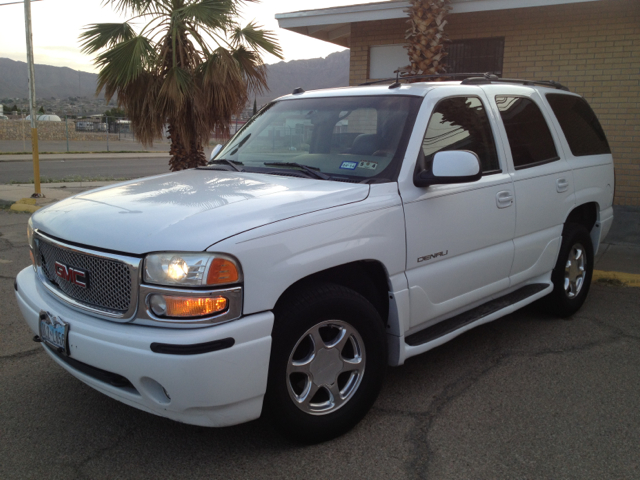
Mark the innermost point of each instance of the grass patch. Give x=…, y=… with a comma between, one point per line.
x=100, y=151
x=72, y=179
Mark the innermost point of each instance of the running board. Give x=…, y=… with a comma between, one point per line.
x=474, y=315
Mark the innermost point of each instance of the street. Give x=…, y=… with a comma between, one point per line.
x=86, y=168
x=527, y=396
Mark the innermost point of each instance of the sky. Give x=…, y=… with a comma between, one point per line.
x=57, y=24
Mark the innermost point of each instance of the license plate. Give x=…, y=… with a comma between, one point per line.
x=54, y=332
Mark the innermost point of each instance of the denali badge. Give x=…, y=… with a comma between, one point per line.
x=433, y=255
x=72, y=275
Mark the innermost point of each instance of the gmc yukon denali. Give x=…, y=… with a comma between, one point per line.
x=339, y=232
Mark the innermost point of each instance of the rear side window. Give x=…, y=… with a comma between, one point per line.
x=461, y=123
x=528, y=133
x=580, y=125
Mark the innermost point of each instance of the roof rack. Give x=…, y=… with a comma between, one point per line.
x=470, y=79
x=397, y=78
x=487, y=78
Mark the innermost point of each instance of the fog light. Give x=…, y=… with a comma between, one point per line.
x=186, y=307
x=158, y=305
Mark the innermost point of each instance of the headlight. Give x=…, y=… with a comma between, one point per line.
x=191, y=269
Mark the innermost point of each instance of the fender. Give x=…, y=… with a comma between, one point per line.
x=276, y=256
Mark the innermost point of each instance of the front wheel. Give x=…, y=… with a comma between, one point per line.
x=328, y=360
x=572, y=275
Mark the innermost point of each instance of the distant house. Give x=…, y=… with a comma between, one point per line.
x=592, y=46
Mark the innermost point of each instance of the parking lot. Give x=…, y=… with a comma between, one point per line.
x=527, y=396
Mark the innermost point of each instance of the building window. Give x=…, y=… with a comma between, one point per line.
x=477, y=55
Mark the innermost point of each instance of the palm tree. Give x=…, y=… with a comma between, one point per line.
x=426, y=37
x=168, y=74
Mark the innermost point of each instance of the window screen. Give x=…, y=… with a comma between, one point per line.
x=477, y=55
x=461, y=123
x=527, y=130
x=580, y=125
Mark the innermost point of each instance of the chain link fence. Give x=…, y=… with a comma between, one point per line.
x=62, y=135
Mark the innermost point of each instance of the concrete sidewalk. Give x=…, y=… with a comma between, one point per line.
x=48, y=157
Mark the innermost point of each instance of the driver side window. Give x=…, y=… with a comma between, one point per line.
x=461, y=123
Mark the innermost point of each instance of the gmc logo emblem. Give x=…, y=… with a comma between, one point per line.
x=72, y=275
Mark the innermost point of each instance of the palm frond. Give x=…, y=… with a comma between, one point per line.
x=257, y=39
x=134, y=6
x=124, y=62
x=211, y=14
x=253, y=69
x=177, y=87
x=101, y=35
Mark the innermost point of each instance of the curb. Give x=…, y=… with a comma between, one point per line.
x=25, y=205
x=616, y=278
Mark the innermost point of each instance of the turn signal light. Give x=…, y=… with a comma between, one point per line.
x=186, y=307
x=222, y=271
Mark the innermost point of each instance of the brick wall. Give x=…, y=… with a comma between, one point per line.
x=19, y=129
x=592, y=47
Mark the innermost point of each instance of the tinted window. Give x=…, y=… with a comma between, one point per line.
x=528, y=133
x=579, y=124
x=461, y=123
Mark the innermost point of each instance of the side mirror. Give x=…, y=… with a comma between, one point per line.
x=215, y=151
x=457, y=166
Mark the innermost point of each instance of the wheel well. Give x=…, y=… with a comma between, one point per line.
x=367, y=277
x=585, y=215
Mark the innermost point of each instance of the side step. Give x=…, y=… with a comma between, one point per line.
x=455, y=323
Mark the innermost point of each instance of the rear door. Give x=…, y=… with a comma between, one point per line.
x=542, y=178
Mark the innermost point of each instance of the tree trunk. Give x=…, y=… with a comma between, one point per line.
x=184, y=156
x=426, y=37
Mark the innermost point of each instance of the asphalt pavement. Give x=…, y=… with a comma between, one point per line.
x=113, y=166
x=527, y=396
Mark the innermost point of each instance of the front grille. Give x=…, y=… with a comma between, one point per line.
x=109, y=285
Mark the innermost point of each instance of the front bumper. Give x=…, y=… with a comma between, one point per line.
x=215, y=389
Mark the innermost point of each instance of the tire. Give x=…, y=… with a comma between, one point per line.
x=328, y=362
x=572, y=274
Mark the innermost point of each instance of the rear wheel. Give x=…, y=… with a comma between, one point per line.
x=328, y=361
x=572, y=275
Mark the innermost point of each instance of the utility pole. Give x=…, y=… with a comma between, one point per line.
x=32, y=100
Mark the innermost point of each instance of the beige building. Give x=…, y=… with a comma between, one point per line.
x=592, y=47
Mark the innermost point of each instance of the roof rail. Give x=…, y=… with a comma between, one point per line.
x=420, y=77
x=470, y=79
x=487, y=78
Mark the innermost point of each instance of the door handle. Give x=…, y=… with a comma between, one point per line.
x=504, y=199
x=562, y=185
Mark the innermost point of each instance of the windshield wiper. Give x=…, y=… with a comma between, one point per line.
x=231, y=163
x=313, y=171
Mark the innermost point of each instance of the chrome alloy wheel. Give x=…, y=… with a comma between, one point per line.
x=326, y=367
x=575, y=270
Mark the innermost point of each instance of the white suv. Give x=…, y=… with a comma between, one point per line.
x=340, y=231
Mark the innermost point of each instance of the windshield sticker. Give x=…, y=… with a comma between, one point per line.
x=368, y=165
x=349, y=165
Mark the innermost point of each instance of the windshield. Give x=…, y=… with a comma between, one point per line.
x=349, y=138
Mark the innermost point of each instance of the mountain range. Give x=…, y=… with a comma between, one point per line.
x=283, y=77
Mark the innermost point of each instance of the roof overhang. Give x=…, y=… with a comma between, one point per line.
x=334, y=24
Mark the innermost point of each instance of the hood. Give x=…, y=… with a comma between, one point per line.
x=187, y=211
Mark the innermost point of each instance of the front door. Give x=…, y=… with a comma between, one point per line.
x=459, y=237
